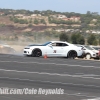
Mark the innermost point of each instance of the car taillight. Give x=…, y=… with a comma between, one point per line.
x=99, y=53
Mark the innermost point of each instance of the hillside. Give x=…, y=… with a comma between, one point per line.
x=27, y=25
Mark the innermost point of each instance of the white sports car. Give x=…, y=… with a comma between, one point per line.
x=53, y=48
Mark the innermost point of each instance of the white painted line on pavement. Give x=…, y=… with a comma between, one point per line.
x=80, y=95
x=68, y=65
x=53, y=74
x=97, y=98
x=50, y=82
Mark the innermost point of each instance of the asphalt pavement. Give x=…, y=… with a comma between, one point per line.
x=80, y=79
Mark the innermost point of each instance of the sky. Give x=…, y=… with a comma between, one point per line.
x=77, y=6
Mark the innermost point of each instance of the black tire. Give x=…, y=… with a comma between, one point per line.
x=72, y=55
x=36, y=53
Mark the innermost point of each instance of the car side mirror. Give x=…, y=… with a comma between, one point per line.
x=84, y=49
x=50, y=45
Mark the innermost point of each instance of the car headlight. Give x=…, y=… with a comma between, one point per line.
x=94, y=54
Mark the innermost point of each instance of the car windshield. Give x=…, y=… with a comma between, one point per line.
x=46, y=43
x=88, y=47
x=96, y=48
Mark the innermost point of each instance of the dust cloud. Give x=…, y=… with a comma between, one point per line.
x=16, y=47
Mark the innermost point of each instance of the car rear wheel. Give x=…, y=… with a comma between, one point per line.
x=72, y=54
x=36, y=53
x=88, y=56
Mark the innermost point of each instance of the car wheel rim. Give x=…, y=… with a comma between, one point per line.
x=88, y=56
x=36, y=53
x=72, y=55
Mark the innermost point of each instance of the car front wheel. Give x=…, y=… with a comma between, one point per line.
x=88, y=56
x=36, y=53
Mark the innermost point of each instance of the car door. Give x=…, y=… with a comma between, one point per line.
x=63, y=49
x=54, y=49
x=49, y=50
x=57, y=49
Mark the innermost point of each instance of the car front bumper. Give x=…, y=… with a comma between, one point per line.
x=27, y=52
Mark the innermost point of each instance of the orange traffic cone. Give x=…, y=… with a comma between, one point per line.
x=45, y=56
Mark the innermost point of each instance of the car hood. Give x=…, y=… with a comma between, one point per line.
x=96, y=51
x=90, y=51
x=35, y=45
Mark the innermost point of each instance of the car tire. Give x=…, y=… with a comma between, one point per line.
x=72, y=54
x=88, y=56
x=36, y=53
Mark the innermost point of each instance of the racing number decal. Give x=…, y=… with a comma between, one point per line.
x=54, y=51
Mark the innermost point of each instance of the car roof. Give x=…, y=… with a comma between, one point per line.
x=60, y=42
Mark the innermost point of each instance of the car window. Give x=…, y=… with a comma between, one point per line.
x=53, y=44
x=96, y=48
x=64, y=44
x=88, y=47
x=59, y=44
